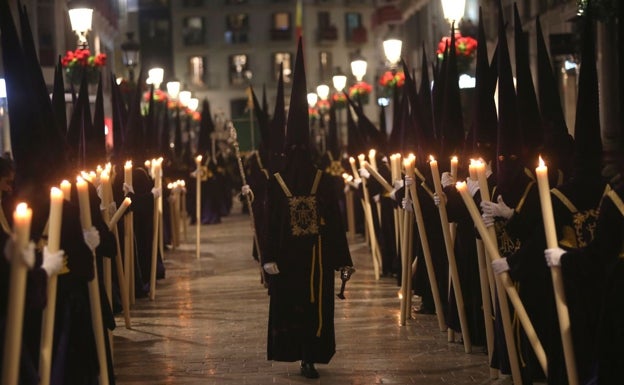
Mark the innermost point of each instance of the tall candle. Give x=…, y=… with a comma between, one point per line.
x=120, y=211
x=472, y=173
x=54, y=220
x=454, y=162
x=22, y=217
x=83, y=202
x=356, y=175
x=479, y=168
x=105, y=182
x=547, y=213
x=128, y=173
x=371, y=158
x=435, y=172
x=66, y=188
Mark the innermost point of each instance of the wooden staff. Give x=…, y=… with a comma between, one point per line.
x=198, y=175
x=450, y=253
x=94, y=287
x=422, y=233
x=172, y=209
x=183, y=212
x=395, y=172
x=350, y=207
x=17, y=294
x=129, y=239
x=47, y=324
x=371, y=227
x=156, y=174
x=107, y=271
x=486, y=304
x=505, y=284
x=555, y=271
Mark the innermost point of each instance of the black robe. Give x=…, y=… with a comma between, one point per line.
x=301, y=312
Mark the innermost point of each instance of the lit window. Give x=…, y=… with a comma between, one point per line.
x=353, y=21
x=285, y=58
x=237, y=27
x=193, y=32
x=239, y=69
x=325, y=65
x=281, y=21
x=196, y=70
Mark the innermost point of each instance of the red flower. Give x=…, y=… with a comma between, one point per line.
x=465, y=46
x=389, y=80
x=361, y=88
x=83, y=58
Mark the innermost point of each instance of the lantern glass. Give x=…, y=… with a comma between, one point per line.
x=156, y=74
x=322, y=91
x=173, y=89
x=312, y=99
x=340, y=82
x=185, y=97
x=80, y=19
x=453, y=9
x=392, y=50
x=193, y=104
x=358, y=68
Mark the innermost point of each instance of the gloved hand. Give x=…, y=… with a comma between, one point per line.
x=499, y=209
x=376, y=198
x=397, y=184
x=27, y=255
x=447, y=179
x=409, y=181
x=92, y=238
x=356, y=183
x=406, y=204
x=271, y=268
x=157, y=192
x=553, y=256
x=245, y=190
x=472, y=185
x=194, y=174
x=127, y=189
x=488, y=220
x=437, y=200
x=112, y=209
x=364, y=173
x=52, y=262
x=100, y=191
x=500, y=265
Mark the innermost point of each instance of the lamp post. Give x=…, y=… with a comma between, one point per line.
x=156, y=75
x=184, y=97
x=80, y=17
x=322, y=91
x=339, y=81
x=130, y=54
x=358, y=66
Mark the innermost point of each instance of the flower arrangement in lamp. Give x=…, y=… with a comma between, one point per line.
x=160, y=96
x=389, y=81
x=360, y=91
x=313, y=113
x=465, y=51
x=339, y=99
x=79, y=62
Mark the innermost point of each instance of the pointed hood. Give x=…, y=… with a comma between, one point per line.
x=95, y=138
x=588, y=144
x=164, y=141
x=452, y=129
x=263, y=119
x=265, y=102
x=134, y=137
x=58, y=101
x=529, y=118
x=206, y=128
x=373, y=138
x=557, y=142
x=297, y=126
x=356, y=143
x=425, y=108
x=332, y=135
x=149, y=122
x=278, y=124
x=119, y=116
x=484, y=124
x=509, y=144
x=79, y=125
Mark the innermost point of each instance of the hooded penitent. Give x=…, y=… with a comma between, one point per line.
x=482, y=137
x=134, y=135
x=206, y=128
x=426, y=140
x=263, y=125
x=96, y=139
x=278, y=124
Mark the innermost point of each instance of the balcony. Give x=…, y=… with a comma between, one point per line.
x=329, y=33
x=359, y=35
x=280, y=34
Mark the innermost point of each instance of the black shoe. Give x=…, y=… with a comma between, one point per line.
x=308, y=370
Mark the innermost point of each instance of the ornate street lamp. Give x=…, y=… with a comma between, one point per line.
x=193, y=103
x=322, y=91
x=312, y=99
x=130, y=54
x=156, y=75
x=173, y=89
x=80, y=17
x=358, y=66
x=392, y=48
x=339, y=80
x=453, y=9
x=185, y=97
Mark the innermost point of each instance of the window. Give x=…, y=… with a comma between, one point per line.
x=353, y=23
x=193, y=31
x=286, y=59
x=325, y=65
x=237, y=28
x=196, y=70
x=239, y=69
x=280, y=26
x=326, y=31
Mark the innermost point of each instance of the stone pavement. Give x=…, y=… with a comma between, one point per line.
x=208, y=326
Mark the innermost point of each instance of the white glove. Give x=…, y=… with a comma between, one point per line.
x=92, y=238
x=364, y=173
x=271, y=268
x=157, y=192
x=397, y=184
x=473, y=186
x=553, y=256
x=393, y=194
x=127, y=189
x=406, y=203
x=499, y=209
x=447, y=179
x=384, y=159
x=245, y=190
x=28, y=254
x=112, y=209
x=100, y=191
x=346, y=188
x=194, y=174
x=409, y=181
x=52, y=262
x=356, y=183
x=500, y=265
x=376, y=198
x=437, y=200
x=488, y=220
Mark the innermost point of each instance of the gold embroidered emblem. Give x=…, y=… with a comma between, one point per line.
x=303, y=216
x=335, y=169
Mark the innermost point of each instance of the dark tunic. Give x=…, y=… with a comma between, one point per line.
x=301, y=312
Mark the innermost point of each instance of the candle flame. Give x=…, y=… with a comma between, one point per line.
x=98, y=168
x=351, y=159
x=473, y=162
x=361, y=157
x=431, y=158
x=345, y=175
x=148, y=163
x=371, y=153
x=407, y=162
x=56, y=192
x=411, y=155
x=541, y=162
x=400, y=294
x=182, y=183
x=169, y=186
x=21, y=209
x=198, y=158
x=128, y=164
x=454, y=158
x=80, y=180
x=65, y=182
x=460, y=186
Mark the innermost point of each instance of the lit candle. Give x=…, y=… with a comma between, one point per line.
x=98, y=171
x=371, y=169
x=371, y=158
x=21, y=225
x=83, y=202
x=547, y=214
x=128, y=173
x=356, y=175
x=54, y=220
x=472, y=173
x=120, y=211
x=105, y=181
x=198, y=161
x=454, y=162
x=435, y=172
x=479, y=168
x=66, y=189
